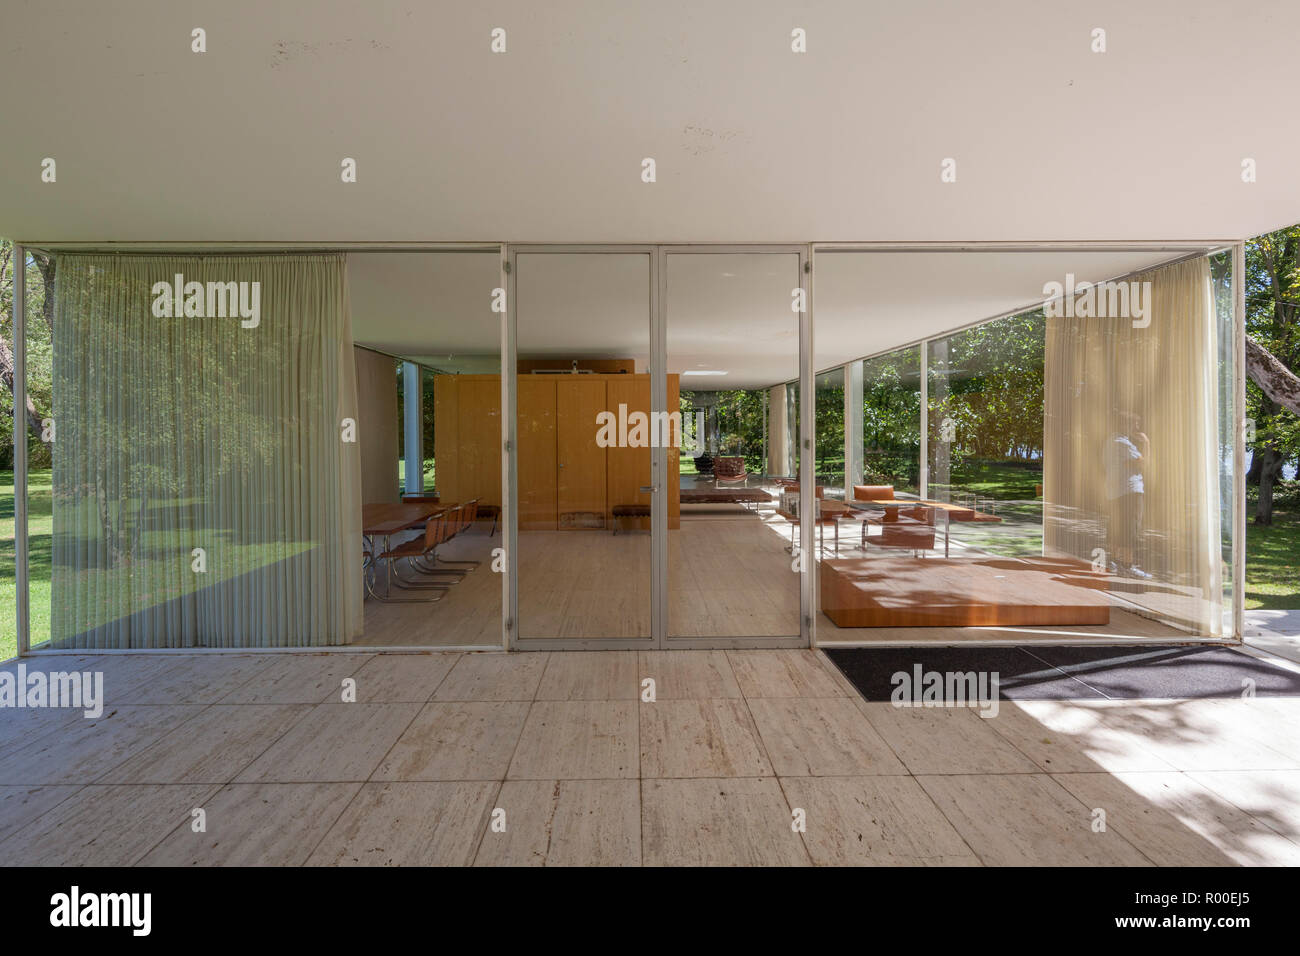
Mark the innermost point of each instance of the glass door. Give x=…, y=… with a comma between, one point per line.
x=584, y=434
x=735, y=573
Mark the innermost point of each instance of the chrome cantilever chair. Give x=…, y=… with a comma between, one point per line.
x=413, y=552
x=464, y=518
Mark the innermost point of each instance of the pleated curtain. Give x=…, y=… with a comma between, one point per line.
x=205, y=490
x=1109, y=385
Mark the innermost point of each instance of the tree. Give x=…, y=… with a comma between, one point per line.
x=1272, y=354
x=40, y=302
x=1274, y=379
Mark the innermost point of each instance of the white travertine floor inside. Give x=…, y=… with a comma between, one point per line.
x=727, y=577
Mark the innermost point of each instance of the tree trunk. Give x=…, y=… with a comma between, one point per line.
x=45, y=264
x=1270, y=471
x=7, y=374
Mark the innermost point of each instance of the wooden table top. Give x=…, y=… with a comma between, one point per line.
x=827, y=510
x=385, y=517
x=720, y=495
x=837, y=509
x=915, y=502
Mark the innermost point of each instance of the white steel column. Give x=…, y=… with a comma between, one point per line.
x=659, y=476
x=509, y=468
x=807, y=457
x=778, y=435
x=21, y=597
x=924, y=489
x=852, y=427
x=1238, y=439
x=413, y=428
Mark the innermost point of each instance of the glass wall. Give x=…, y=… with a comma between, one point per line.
x=225, y=434
x=1078, y=477
x=830, y=444
x=415, y=423
x=585, y=437
x=1061, y=470
x=204, y=475
x=986, y=430
x=891, y=420
x=733, y=343
x=433, y=538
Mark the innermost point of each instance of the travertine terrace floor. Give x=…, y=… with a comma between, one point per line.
x=559, y=748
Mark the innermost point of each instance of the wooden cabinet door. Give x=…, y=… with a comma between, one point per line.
x=535, y=428
x=580, y=461
x=629, y=467
x=479, y=424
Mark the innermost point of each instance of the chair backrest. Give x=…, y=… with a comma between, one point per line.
x=433, y=530
x=873, y=492
x=729, y=467
x=450, y=522
x=469, y=514
x=919, y=513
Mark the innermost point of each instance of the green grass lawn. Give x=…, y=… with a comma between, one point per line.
x=993, y=480
x=1273, y=557
x=160, y=573
x=40, y=524
x=430, y=474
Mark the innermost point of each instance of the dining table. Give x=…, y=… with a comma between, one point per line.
x=383, y=519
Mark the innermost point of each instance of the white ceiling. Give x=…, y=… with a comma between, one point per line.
x=753, y=143
x=726, y=312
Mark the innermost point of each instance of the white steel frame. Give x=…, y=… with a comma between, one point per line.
x=658, y=330
x=1182, y=251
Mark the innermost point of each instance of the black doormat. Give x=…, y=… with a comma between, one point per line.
x=1066, y=673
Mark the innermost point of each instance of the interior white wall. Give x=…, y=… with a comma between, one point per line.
x=377, y=425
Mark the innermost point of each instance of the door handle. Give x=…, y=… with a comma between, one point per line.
x=649, y=489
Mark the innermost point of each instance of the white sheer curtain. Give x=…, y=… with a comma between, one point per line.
x=1131, y=448
x=204, y=492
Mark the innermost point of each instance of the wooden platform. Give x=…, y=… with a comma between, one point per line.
x=962, y=592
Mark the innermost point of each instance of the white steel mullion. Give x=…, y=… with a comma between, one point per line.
x=1238, y=439
x=22, y=600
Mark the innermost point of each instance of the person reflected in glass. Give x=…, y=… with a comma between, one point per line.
x=1127, y=452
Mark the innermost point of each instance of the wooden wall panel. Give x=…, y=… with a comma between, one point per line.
x=535, y=429
x=580, y=462
x=556, y=425
x=479, y=468
x=629, y=468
